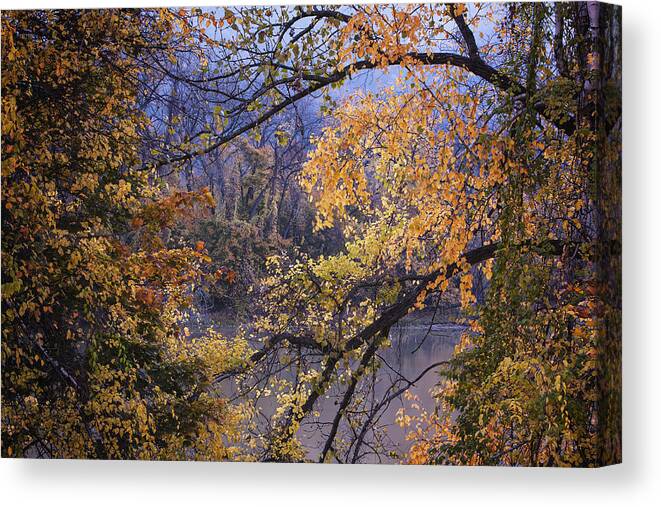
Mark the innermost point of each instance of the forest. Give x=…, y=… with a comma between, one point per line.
x=384, y=233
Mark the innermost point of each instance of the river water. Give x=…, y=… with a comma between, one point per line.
x=416, y=344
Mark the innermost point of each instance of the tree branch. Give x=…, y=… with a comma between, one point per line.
x=466, y=32
x=476, y=66
x=397, y=311
x=348, y=395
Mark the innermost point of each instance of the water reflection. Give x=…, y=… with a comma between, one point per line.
x=415, y=346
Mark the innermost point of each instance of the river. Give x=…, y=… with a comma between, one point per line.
x=416, y=344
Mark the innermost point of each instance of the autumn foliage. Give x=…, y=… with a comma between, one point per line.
x=153, y=156
x=94, y=363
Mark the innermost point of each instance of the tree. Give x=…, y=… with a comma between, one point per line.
x=455, y=172
x=94, y=363
x=495, y=157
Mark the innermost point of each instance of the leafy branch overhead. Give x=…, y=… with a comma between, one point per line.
x=218, y=224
